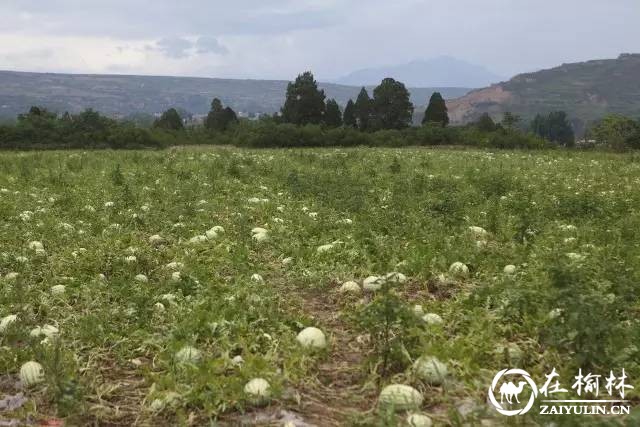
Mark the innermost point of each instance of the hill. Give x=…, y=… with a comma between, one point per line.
x=585, y=90
x=121, y=95
x=443, y=71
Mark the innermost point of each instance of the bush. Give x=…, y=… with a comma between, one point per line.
x=515, y=139
x=268, y=134
x=617, y=132
x=131, y=137
x=40, y=129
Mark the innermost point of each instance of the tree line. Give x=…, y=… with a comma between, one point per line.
x=306, y=104
x=389, y=108
x=220, y=118
x=308, y=118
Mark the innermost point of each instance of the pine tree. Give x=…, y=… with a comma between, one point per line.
x=332, y=115
x=304, y=103
x=215, y=118
x=436, y=111
x=349, y=116
x=539, y=126
x=230, y=117
x=220, y=118
x=363, y=110
x=485, y=123
x=392, y=108
x=510, y=120
x=554, y=127
x=560, y=129
x=169, y=120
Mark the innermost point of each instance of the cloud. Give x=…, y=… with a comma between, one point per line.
x=280, y=38
x=134, y=19
x=269, y=22
x=208, y=44
x=185, y=47
x=174, y=47
x=69, y=54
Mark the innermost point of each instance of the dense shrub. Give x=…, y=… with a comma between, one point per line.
x=514, y=139
x=40, y=129
x=438, y=135
x=131, y=137
x=617, y=132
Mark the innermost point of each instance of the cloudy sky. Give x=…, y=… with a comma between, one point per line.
x=279, y=38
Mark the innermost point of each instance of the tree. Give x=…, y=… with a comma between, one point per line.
x=634, y=139
x=436, y=112
x=391, y=106
x=560, y=129
x=39, y=126
x=169, y=120
x=554, y=127
x=349, y=115
x=485, y=123
x=510, y=120
x=618, y=132
x=92, y=121
x=304, y=103
x=539, y=125
x=230, y=117
x=37, y=117
x=332, y=114
x=66, y=118
x=363, y=109
x=219, y=118
x=215, y=117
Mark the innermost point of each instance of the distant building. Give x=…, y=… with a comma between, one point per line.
x=197, y=119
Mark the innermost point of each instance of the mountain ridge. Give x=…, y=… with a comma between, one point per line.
x=585, y=90
x=442, y=71
x=121, y=95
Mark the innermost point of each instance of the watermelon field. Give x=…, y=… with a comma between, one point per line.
x=304, y=287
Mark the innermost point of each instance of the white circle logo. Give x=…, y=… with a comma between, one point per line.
x=510, y=392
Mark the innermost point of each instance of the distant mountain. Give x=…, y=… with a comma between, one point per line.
x=442, y=71
x=120, y=95
x=585, y=90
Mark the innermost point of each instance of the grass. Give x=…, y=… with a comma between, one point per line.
x=114, y=359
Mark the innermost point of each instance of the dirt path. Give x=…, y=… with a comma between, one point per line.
x=339, y=391
x=336, y=390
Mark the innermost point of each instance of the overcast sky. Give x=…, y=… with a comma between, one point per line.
x=279, y=38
